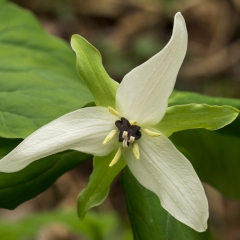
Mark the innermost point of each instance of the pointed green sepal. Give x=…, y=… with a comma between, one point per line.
x=99, y=184
x=192, y=116
x=91, y=70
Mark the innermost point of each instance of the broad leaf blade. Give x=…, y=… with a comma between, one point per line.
x=38, y=80
x=18, y=187
x=214, y=156
x=149, y=220
x=91, y=70
x=181, y=97
x=190, y=116
x=99, y=184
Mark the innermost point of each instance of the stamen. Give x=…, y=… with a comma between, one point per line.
x=113, y=111
x=125, y=139
x=110, y=136
x=131, y=140
x=151, y=133
x=125, y=143
x=125, y=135
x=133, y=122
x=116, y=157
x=136, y=151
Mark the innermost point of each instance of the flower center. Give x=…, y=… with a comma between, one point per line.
x=127, y=133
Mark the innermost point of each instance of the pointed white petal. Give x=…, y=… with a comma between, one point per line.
x=83, y=130
x=143, y=93
x=166, y=172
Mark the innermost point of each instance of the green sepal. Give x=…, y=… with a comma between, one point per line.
x=149, y=220
x=192, y=116
x=91, y=70
x=99, y=184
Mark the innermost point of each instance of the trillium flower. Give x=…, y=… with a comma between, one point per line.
x=128, y=129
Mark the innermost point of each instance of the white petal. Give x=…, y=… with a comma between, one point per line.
x=143, y=93
x=83, y=130
x=166, y=172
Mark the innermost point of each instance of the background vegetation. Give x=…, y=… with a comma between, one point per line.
x=127, y=33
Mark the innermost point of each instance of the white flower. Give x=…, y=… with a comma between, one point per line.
x=141, y=99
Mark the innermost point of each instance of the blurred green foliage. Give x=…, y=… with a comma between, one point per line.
x=95, y=226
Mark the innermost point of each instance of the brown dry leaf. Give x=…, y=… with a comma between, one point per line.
x=133, y=24
x=212, y=64
x=210, y=25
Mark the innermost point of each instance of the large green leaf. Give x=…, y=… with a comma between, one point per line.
x=181, y=97
x=18, y=187
x=191, y=116
x=99, y=184
x=38, y=79
x=38, y=83
x=215, y=157
x=91, y=70
x=149, y=220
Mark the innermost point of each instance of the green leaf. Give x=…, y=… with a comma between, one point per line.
x=99, y=184
x=91, y=70
x=6, y=145
x=149, y=220
x=18, y=187
x=190, y=116
x=38, y=79
x=181, y=97
x=214, y=156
